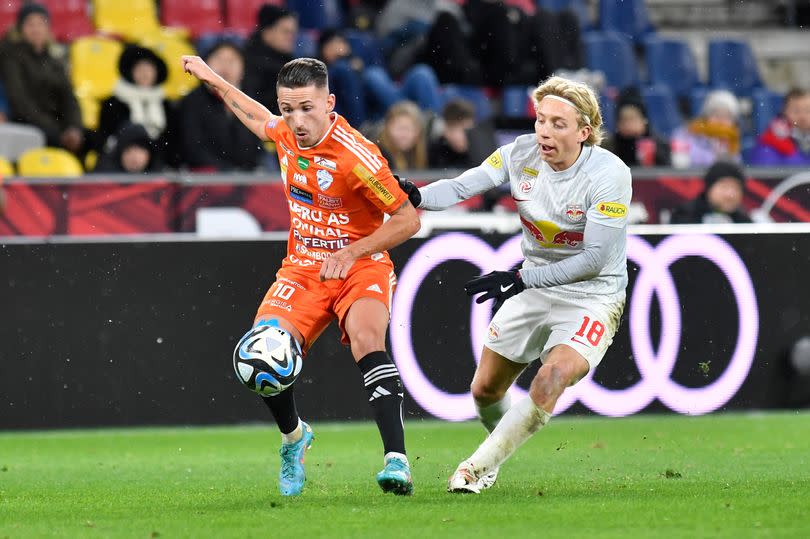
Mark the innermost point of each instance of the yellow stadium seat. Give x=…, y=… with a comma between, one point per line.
x=91, y=108
x=6, y=168
x=127, y=18
x=170, y=48
x=94, y=67
x=49, y=163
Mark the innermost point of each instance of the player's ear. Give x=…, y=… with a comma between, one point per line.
x=584, y=133
x=330, y=103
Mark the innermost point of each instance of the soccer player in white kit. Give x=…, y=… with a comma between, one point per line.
x=564, y=305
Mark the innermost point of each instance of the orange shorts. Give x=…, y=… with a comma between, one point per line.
x=299, y=296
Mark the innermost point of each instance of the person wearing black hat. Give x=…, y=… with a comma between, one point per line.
x=38, y=88
x=130, y=151
x=634, y=141
x=137, y=98
x=721, y=199
x=211, y=137
x=269, y=47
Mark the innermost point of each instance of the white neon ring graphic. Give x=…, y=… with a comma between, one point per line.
x=654, y=366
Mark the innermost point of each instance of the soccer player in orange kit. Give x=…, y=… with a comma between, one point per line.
x=338, y=187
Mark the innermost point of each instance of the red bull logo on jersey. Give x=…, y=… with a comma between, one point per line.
x=574, y=213
x=550, y=236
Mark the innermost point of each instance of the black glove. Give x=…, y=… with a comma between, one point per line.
x=500, y=285
x=411, y=190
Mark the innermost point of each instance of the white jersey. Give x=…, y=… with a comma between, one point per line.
x=555, y=206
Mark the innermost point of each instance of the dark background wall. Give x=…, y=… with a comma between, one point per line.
x=142, y=333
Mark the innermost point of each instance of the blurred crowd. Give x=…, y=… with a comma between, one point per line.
x=409, y=91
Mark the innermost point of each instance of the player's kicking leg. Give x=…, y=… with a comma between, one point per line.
x=296, y=435
x=563, y=367
x=493, y=377
x=365, y=325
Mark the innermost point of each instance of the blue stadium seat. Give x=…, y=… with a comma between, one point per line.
x=662, y=109
x=317, y=14
x=670, y=62
x=766, y=105
x=579, y=7
x=612, y=54
x=629, y=17
x=515, y=102
x=608, y=108
x=473, y=94
x=306, y=44
x=732, y=66
x=365, y=46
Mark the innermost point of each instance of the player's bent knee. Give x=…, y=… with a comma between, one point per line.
x=486, y=392
x=549, y=383
x=367, y=340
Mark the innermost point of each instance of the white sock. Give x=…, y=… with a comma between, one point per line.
x=293, y=436
x=517, y=425
x=394, y=454
x=491, y=414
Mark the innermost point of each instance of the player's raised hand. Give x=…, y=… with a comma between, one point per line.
x=498, y=285
x=337, y=266
x=196, y=66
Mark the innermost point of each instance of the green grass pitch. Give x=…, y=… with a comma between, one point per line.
x=727, y=475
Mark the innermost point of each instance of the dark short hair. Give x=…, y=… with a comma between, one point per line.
x=303, y=72
x=796, y=93
x=457, y=111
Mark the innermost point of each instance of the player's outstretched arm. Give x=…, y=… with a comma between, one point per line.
x=249, y=111
x=401, y=225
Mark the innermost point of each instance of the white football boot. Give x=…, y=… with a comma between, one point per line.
x=464, y=480
x=487, y=480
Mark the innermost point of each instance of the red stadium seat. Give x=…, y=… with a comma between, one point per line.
x=8, y=14
x=69, y=19
x=240, y=15
x=199, y=16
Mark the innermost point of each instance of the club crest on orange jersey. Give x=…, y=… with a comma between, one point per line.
x=324, y=179
x=574, y=213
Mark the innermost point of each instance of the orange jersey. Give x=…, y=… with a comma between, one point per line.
x=337, y=190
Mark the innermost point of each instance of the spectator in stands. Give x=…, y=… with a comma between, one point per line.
x=266, y=51
x=402, y=140
x=211, y=137
x=714, y=135
x=131, y=150
x=137, y=98
x=345, y=75
x=634, y=141
x=38, y=89
x=4, y=115
x=787, y=139
x=451, y=148
x=721, y=199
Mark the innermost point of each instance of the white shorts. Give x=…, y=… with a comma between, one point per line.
x=533, y=322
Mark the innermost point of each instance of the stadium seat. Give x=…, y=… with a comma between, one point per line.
x=473, y=94
x=199, y=16
x=16, y=139
x=766, y=105
x=629, y=17
x=365, y=46
x=94, y=66
x=170, y=48
x=579, y=7
x=696, y=98
x=91, y=109
x=608, y=108
x=306, y=44
x=240, y=15
x=8, y=14
x=662, y=109
x=317, y=14
x=130, y=19
x=6, y=168
x=69, y=19
x=732, y=66
x=670, y=62
x=516, y=102
x=612, y=54
x=48, y=163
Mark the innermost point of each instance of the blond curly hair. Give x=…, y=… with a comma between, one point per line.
x=584, y=99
